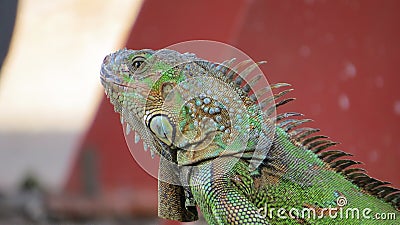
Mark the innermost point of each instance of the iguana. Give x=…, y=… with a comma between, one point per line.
x=173, y=100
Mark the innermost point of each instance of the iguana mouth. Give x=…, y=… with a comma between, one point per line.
x=110, y=84
x=107, y=81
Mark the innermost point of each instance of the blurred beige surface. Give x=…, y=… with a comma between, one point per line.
x=49, y=87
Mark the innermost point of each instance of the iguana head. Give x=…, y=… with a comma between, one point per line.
x=135, y=81
x=186, y=109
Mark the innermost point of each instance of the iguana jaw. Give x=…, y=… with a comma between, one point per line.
x=128, y=95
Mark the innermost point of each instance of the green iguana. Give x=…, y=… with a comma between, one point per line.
x=227, y=153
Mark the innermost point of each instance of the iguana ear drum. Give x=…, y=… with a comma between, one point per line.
x=166, y=89
x=161, y=126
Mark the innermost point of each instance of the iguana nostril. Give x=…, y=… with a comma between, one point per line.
x=106, y=59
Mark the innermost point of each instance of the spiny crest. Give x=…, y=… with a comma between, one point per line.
x=336, y=159
x=236, y=76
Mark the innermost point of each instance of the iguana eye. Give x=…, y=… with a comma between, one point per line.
x=137, y=62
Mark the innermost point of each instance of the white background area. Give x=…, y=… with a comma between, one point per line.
x=49, y=83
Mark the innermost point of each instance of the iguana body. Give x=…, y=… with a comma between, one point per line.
x=201, y=161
